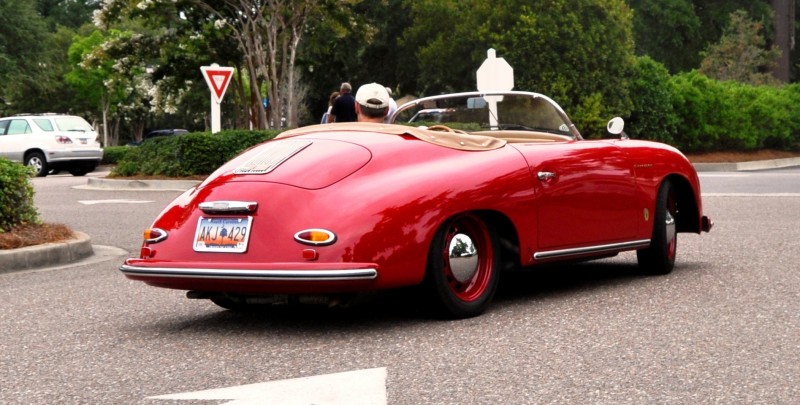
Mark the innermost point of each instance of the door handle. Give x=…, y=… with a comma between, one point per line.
x=546, y=176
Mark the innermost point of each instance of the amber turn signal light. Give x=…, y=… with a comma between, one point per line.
x=154, y=235
x=315, y=237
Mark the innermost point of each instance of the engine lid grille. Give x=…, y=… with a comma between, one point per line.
x=272, y=156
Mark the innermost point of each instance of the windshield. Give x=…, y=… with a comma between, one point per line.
x=473, y=112
x=73, y=124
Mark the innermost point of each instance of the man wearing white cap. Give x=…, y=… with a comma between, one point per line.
x=372, y=103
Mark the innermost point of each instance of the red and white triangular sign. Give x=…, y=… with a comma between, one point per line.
x=217, y=78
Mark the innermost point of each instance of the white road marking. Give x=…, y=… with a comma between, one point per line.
x=367, y=387
x=751, y=194
x=93, y=202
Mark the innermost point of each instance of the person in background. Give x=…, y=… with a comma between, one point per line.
x=344, y=108
x=372, y=103
x=331, y=99
x=392, y=105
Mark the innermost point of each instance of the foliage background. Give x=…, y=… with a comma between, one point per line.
x=133, y=65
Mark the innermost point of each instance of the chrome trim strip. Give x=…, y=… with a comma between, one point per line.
x=225, y=207
x=261, y=275
x=550, y=254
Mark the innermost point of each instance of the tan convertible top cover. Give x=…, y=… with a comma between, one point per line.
x=453, y=140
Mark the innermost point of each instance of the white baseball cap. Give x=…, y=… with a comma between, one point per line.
x=373, y=95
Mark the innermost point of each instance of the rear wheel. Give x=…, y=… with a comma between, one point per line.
x=659, y=258
x=463, y=266
x=79, y=171
x=37, y=161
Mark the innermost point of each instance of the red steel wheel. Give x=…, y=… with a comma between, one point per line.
x=463, y=266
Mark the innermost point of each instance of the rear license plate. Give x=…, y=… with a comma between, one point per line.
x=228, y=235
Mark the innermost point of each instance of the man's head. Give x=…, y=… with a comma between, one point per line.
x=345, y=88
x=372, y=102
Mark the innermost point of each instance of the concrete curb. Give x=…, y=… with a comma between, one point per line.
x=49, y=254
x=746, y=166
x=143, y=185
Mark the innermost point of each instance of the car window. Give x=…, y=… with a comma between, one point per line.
x=44, y=124
x=73, y=124
x=16, y=127
x=3, y=126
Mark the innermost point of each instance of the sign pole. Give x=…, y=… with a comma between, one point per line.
x=215, y=113
x=217, y=78
x=495, y=74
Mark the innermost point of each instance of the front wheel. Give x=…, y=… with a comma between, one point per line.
x=659, y=258
x=463, y=266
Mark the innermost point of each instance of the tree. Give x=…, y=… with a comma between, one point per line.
x=667, y=31
x=267, y=32
x=675, y=32
x=92, y=69
x=67, y=13
x=23, y=37
x=580, y=52
x=740, y=54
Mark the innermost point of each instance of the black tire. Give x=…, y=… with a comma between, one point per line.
x=79, y=171
x=463, y=268
x=659, y=257
x=37, y=161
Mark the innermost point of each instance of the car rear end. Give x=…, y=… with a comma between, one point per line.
x=74, y=145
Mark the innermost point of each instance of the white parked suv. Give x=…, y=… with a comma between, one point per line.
x=50, y=142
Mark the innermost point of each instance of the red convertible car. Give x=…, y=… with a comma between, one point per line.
x=503, y=182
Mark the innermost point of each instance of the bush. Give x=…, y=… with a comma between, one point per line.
x=113, y=154
x=194, y=154
x=731, y=116
x=16, y=196
x=653, y=116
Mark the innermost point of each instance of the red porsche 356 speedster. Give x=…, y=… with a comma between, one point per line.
x=499, y=181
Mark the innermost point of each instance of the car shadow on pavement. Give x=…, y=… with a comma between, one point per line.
x=406, y=307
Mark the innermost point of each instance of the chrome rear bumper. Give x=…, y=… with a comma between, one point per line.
x=260, y=275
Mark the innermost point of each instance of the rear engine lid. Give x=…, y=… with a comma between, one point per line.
x=306, y=163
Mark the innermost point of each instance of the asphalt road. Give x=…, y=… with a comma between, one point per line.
x=724, y=327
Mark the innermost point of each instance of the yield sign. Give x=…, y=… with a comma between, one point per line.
x=217, y=78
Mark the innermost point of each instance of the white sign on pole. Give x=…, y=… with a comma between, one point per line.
x=495, y=74
x=217, y=77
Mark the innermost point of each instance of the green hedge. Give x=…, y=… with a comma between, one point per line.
x=193, y=154
x=113, y=154
x=726, y=116
x=698, y=114
x=16, y=196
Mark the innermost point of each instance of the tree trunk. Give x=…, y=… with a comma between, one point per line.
x=784, y=37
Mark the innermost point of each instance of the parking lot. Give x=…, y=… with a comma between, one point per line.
x=724, y=327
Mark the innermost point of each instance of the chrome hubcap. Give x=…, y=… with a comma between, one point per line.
x=670, y=226
x=463, y=258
